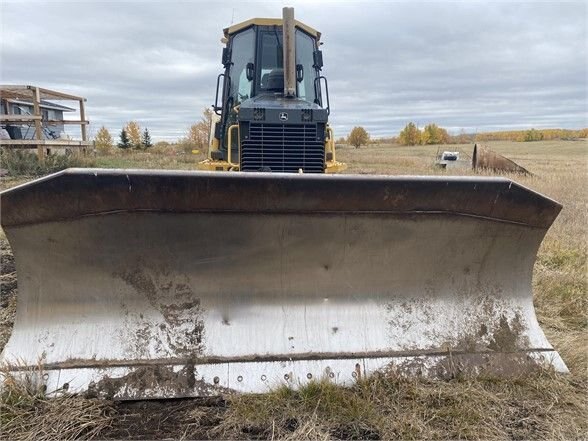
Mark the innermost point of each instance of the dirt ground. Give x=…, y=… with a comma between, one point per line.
x=540, y=406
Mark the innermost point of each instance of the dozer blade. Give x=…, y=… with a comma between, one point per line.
x=140, y=284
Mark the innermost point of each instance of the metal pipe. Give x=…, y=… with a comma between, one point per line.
x=289, y=50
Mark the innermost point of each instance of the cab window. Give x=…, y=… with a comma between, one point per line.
x=305, y=47
x=243, y=52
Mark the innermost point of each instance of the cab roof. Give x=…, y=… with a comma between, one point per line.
x=268, y=22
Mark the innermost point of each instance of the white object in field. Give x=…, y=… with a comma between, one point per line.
x=450, y=156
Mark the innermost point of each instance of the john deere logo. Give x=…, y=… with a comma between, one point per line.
x=283, y=116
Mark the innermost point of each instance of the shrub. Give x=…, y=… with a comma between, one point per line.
x=23, y=163
x=533, y=135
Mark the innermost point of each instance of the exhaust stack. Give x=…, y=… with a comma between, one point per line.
x=289, y=50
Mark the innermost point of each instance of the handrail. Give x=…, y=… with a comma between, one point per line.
x=332, y=141
x=317, y=88
x=216, y=107
x=230, y=144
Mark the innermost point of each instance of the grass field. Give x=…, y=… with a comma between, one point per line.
x=537, y=406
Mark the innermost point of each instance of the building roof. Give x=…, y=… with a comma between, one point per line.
x=269, y=22
x=18, y=92
x=44, y=104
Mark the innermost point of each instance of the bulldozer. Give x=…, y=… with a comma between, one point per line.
x=266, y=270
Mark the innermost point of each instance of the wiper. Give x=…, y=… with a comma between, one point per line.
x=277, y=37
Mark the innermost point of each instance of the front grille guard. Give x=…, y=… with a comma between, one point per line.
x=282, y=148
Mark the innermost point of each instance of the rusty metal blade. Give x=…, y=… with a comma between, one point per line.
x=484, y=158
x=156, y=284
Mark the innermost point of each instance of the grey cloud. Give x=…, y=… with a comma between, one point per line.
x=472, y=66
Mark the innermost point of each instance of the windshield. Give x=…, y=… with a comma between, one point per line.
x=271, y=69
x=270, y=74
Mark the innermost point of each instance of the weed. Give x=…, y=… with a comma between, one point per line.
x=23, y=163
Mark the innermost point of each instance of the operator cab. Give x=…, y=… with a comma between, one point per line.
x=254, y=62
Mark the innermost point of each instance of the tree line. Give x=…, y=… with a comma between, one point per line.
x=198, y=135
x=432, y=134
x=532, y=135
x=410, y=135
x=132, y=136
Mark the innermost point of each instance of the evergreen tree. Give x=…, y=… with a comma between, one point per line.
x=146, y=139
x=124, y=142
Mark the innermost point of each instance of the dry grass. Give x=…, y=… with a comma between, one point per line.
x=539, y=406
x=7, y=291
x=153, y=158
x=542, y=406
x=27, y=415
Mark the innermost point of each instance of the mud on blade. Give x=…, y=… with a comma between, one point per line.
x=151, y=284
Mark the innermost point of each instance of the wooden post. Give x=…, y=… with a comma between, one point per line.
x=38, y=130
x=83, y=119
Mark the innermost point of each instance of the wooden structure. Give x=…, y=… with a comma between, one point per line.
x=34, y=95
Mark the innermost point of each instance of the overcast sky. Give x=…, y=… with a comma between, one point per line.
x=472, y=66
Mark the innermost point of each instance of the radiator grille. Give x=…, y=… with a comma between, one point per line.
x=283, y=148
